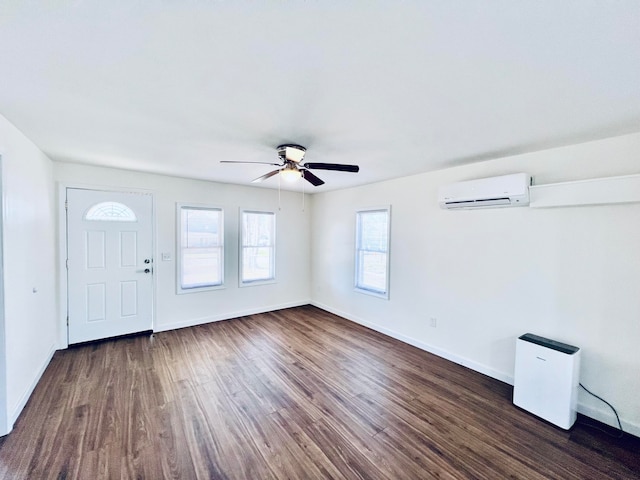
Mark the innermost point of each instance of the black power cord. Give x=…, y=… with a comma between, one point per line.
x=611, y=407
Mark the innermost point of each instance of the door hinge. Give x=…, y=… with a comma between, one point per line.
x=67, y=263
x=67, y=320
x=66, y=204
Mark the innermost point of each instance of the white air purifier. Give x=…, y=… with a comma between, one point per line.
x=546, y=379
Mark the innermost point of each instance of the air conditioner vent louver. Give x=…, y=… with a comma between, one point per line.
x=478, y=203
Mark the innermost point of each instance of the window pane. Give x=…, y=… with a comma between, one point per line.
x=256, y=263
x=201, y=248
x=257, y=229
x=373, y=231
x=373, y=271
x=201, y=267
x=372, y=245
x=258, y=247
x=200, y=228
x=110, y=212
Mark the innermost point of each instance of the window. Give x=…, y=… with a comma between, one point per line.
x=200, y=247
x=110, y=212
x=372, y=251
x=257, y=247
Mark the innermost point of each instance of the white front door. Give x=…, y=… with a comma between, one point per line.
x=110, y=264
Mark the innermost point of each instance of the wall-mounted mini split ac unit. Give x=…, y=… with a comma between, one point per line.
x=503, y=191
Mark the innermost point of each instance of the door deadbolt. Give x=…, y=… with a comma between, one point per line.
x=146, y=260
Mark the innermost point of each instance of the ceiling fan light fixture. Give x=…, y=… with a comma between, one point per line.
x=290, y=174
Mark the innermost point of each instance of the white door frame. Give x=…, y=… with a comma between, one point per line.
x=63, y=337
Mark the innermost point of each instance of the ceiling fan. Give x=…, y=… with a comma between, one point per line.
x=291, y=167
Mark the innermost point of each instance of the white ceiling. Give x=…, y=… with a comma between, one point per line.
x=398, y=87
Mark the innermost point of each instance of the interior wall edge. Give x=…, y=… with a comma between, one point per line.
x=24, y=398
x=5, y=426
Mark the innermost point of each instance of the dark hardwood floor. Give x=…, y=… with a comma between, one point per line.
x=293, y=394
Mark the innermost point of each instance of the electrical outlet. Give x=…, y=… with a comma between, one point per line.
x=433, y=322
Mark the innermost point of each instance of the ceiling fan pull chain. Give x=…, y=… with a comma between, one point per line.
x=303, y=196
x=279, y=202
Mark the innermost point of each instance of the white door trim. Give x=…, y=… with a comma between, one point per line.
x=62, y=251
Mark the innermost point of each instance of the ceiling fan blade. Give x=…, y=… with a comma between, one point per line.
x=311, y=178
x=333, y=166
x=261, y=163
x=265, y=176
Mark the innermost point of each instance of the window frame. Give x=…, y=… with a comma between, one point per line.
x=358, y=286
x=241, y=247
x=179, y=248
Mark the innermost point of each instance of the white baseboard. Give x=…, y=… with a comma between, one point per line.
x=192, y=322
x=604, y=415
x=24, y=398
x=607, y=416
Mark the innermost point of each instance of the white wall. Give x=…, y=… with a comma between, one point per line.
x=488, y=276
x=29, y=266
x=174, y=311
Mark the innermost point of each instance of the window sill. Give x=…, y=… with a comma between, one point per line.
x=373, y=293
x=185, y=291
x=256, y=283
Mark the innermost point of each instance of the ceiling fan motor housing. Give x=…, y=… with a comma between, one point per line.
x=291, y=152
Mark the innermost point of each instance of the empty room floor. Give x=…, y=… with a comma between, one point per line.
x=293, y=394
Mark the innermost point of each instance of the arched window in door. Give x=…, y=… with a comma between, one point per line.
x=110, y=212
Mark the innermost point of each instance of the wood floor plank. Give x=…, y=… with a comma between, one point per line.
x=280, y=450
x=238, y=455
x=421, y=458
x=344, y=455
x=311, y=450
x=167, y=446
x=293, y=394
x=201, y=439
